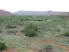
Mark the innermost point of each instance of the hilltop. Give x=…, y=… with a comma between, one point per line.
x=3, y=12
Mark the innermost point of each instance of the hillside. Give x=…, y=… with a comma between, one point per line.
x=52, y=33
x=3, y=12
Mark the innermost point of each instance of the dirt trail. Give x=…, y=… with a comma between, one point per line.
x=3, y=29
x=35, y=50
x=11, y=50
x=19, y=30
x=52, y=42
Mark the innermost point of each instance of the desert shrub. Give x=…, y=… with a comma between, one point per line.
x=39, y=20
x=31, y=30
x=11, y=26
x=12, y=31
x=2, y=46
x=31, y=33
x=0, y=31
x=47, y=48
x=66, y=34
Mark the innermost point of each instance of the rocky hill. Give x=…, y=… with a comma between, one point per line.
x=3, y=12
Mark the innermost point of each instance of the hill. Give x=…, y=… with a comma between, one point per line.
x=41, y=13
x=3, y=12
x=34, y=12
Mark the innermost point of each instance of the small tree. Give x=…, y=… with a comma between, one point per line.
x=2, y=46
x=31, y=30
x=66, y=34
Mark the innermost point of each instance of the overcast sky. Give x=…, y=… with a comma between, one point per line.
x=34, y=5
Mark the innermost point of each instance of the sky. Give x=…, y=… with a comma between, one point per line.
x=34, y=5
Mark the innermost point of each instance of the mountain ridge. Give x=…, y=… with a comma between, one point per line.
x=40, y=13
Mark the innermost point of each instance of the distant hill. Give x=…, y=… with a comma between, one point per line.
x=3, y=12
x=53, y=13
x=34, y=12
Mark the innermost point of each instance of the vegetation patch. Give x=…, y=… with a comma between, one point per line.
x=50, y=27
x=12, y=31
x=31, y=30
x=48, y=48
x=0, y=31
x=66, y=34
x=11, y=26
x=2, y=46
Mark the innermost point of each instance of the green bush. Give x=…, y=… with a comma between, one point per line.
x=12, y=31
x=0, y=31
x=66, y=34
x=31, y=33
x=2, y=46
x=31, y=30
x=47, y=48
x=11, y=26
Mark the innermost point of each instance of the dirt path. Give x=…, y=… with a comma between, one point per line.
x=19, y=30
x=3, y=29
x=52, y=42
x=11, y=50
x=46, y=41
